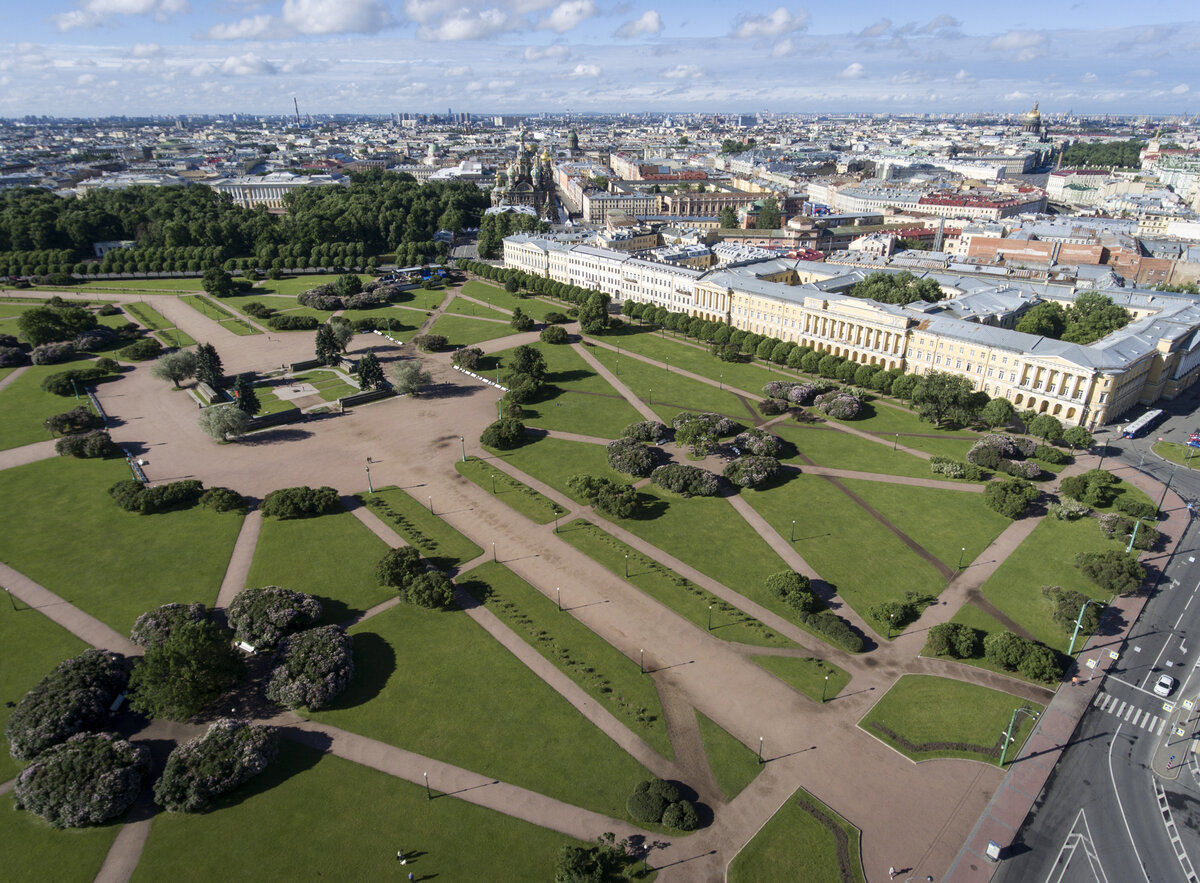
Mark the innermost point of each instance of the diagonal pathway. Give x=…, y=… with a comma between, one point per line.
x=58, y=609
x=887, y=478
x=615, y=382
x=238, y=570
x=26, y=454
x=12, y=377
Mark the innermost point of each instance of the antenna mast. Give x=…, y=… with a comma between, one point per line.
x=296, y=104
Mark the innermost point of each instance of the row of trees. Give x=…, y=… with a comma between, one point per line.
x=1091, y=317
x=494, y=227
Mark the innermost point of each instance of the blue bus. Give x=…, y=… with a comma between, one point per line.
x=1143, y=423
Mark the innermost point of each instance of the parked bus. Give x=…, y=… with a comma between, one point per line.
x=1140, y=425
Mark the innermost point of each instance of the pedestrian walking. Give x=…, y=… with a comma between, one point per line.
x=410, y=876
x=891, y=873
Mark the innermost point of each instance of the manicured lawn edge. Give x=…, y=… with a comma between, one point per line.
x=733, y=765
x=433, y=537
x=517, y=495
x=806, y=674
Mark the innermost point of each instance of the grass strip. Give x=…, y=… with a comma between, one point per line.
x=815, y=678
x=519, y=496
x=433, y=537
x=733, y=765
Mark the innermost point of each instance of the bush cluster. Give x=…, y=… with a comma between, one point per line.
x=504, y=434
x=263, y=617
x=258, y=310
x=717, y=425
x=834, y=629
x=771, y=407
x=200, y=770
x=1135, y=508
x=1117, y=526
x=154, y=626
x=1010, y=498
x=757, y=442
x=1112, y=570
x=86, y=780
x=1026, y=469
x=605, y=496
x=841, y=405
x=994, y=447
x=468, y=357
x=794, y=589
x=404, y=570
x=12, y=356
x=321, y=298
x=95, y=338
x=287, y=322
x=630, y=456
x=1051, y=455
x=647, y=431
x=556, y=318
x=553, y=334
x=1014, y=653
x=52, y=353
x=78, y=419
x=687, y=481
x=955, y=468
x=430, y=343
x=655, y=800
x=1065, y=605
x=222, y=499
x=751, y=471
x=368, y=300
x=1096, y=487
x=144, y=349
x=86, y=445
x=953, y=639
x=75, y=697
x=133, y=496
x=301, y=502
x=1069, y=510
x=60, y=384
x=311, y=668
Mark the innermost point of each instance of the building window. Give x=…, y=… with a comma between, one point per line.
x=1103, y=397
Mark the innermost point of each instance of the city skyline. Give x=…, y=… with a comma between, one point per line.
x=133, y=57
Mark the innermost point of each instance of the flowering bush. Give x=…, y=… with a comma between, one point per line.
x=262, y=617
x=1027, y=446
x=52, y=353
x=778, y=389
x=992, y=448
x=716, y=424
x=758, y=442
x=687, y=481
x=752, y=471
x=94, y=338
x=86, y=780
x=955, y=469
x=321, y=298
x=74, y=697
x=11, y=356
x=1021, y=468
x=311, y=668
x=630, y=456
x=841, y=405
x=646, y=431
x=366, y=300
x=202, y=769
x=467, y=357
x=153, y=626
x=1069, y=510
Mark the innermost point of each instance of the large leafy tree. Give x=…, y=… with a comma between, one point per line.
x=768, y=215
x=409, y=377
x=1093, y=316
x=593, y=313
x=370, y=372
x=224, y=422
x=176, y=366
x=1047, y=319
x=942, y=397
x=897, y=288
x=217, y=282
x=192, y=667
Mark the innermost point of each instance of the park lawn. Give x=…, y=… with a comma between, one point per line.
x=291, y=286
x=982, y=621
x=113, y=564
x=175, y=337
x=30, y=646
x=554, y=460
x=419, y=299
x=269, y=403
x=275, y=302
x=417, y=685
x=878, y=417
x=1127, y=491
x=433, y=537
x=10, y=315
x=669, y=392
x=227, y=320
x=698, y=606
x=1046, y=558
x=806, y=674
x=954, y=448
x=519, y=496
x=463, y=331
x=943, y=522
x=312, y=815
x=924, y=713
x=841, y=450
x=828, y=526
x=799, y=843
x=498, y=297
x=146, y=315
x=34, y=852
x=601, y=670
x=148, y=285
x=1176, y=453
x=463, y=307
x=733, y=765
x=24, y=406
x=332, y=557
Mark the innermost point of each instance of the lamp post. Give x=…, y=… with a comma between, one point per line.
x=74, y=387
x=493, y=551
x=652, y=395
x=824, y=687
x=626, y=565
x=430, y=505
x=760, y=744
x=721, y=382
x=1079, y=622
x=895, y=442
x=961, y=552
x=499, y=409
x=428, y=796
x=556, y=519
x=370, y=490
x=1008, y=734
x=1133, y=536
x=463, y=444
x=793, y=536
x=642, y=661
x=891, y=624
x=710, y=617
x=1158, y=509
x=668, y=363
x=558, y=598
x=493, y=484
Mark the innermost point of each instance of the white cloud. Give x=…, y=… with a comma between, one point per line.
x=459, y=71
x=683, y=72
x=1029, y=45
x=1142, y=73
x=876, y=30
x=939, y=23
x=782, y=48
x=93, y=13
x=777, y=24
x=568, y=15
x=468, y=25
x=336, y=16
x=246, y=29
x=1018, y=95
x=85, y=79
x=551, y=53
x=853, y=71
x=584, y=71
x=246, y=65
x=1089, y=77
x=1181, y=89
x=649, y=24
x=146, y=50
x=964, y=76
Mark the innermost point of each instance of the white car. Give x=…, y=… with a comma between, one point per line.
x=1165, y=685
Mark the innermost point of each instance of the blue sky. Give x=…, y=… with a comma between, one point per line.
x=95, y=57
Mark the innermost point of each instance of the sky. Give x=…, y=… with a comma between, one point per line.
x=135, y=57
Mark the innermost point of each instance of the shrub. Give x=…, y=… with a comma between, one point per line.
x=718, y=425
x=311, y=668
x=222, y=499
x=108, y=310
x=1051, y=455
x=430, y=343
x=286, y=322
x=144, y=349
x=553, y=334
x=1041, y=664
x=1094, y=487
x=432, y=590
x=557, y=318
x=1112, y=570
x=778, y=389
x=1069, y=510
x=200, y=770
x=73, y=698
x=505, y=434
x=519, y=321
x=154, y=626
x=992, y=448
x=953, y=639
x=794, y=589
x=752, y=471
x=630, y=456
x=758, y=443
x=258, y=310
x=399, y=567
x=263, y=617
x=60, y=384
x=133, y=496
x=834, y=629
x=681, y=815
x=86, y=780
x=467, y=357
x=52, y=353
x=321, y=298
x=687, y=481
x=1010, y=498
x=1122, y=526
x=955, y=469
x=366, y=300
x=1026, y=469
x=11, y=356
x=803, y=393
x=301, y=502
x=86, y=445
x=840, y=405
x=1006, y=649
x=646, y=431
x=76, y=420
x=1065, y=605
x=771, y=407
x=607, y=497
x=645, y=807
x=1136, y=508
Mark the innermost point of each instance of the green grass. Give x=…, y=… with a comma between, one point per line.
x=462, y=307
x=798, y=845
x=943, y=522
x=433, y=537
x=148, y=316
x=34, y=852
x=420, y=299
x=1177, y=453
x=314, y=816
x=419, y=684
x=604, y=673
x=554, y=460
x=24, y=407
x=112, y=564
x=928, y=711
x=328, y=384
x=175, y=337
x=1046, y=558
x=828, y=525
x=332, y=557
x=30, y=646
x=806, y=674
x=733, y=765
x=841, y=450
x=518, y=495
x=982, y=621
x=294, y=285
x=464, y=331
x=208, y=307
x=669, y=588
x=148, y=285
x=530, y=306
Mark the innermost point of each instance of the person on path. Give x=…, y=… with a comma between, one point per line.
x=891, y=873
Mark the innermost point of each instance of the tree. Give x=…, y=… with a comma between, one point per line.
x=370, y=372
x=1010, y=498
x=42, y=325
x=1112, y=570
x=247, y=399
x=519, y=321
x=729, y=218
x=192, y=667
x=600, y=863
x=263, y=617
x=505, y=434
x=200, y=770
x=1077, y=437
x=78, y=419
x=224, y=422
x=327, y=348
x=347, y=285
x=997, y=412
x=217, y=282
x=1093, y=316
x=176, y=366
x=1046, y=319
x=311, y=668
x=86, y=780
x=528, y=361
x=208, y=366
x=607, y=497
x=897, y=288
x=940, y=396
x=153, y=626
x=768, y=215
x=511, y=285
x=343, y=333
x=1046, y=427
x=409, y=378
x=1006, y=649
x=593, y=313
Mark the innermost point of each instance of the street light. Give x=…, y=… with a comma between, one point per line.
x=891, y=624
x=793, y=536
x=430, y=505
x=961, y=552
x=626, y=565
x=428, y=796
x=824, y=687
x=370, y=490
x=1133, y=536
x=463, y=443
x=895, y=442
x=493, y=484
x=760, y=743
x=558, y=593
x=1079, y=622
x=642, y=661
x=1158, y=509
x=710, y=617
x=1008, y=735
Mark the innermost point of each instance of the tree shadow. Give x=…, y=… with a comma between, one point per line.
x=374, y=663
x=650, y=508
x=703, y=810
x=570, y=376
x=271, y=436
x=299, y=751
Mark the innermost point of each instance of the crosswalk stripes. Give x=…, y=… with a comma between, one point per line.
x=1130, y=713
